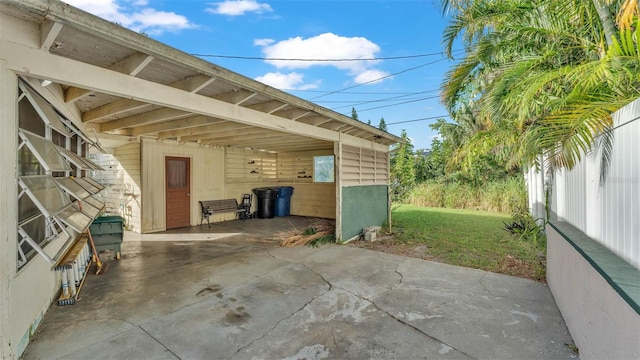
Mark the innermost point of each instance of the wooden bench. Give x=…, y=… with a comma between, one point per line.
x=210, y=207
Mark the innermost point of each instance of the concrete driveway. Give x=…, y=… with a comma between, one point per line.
x=230, y=295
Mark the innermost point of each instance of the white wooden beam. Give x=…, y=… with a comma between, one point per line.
x=49, y=30
x=269, y=107
x=250, y=134
x=130, y=65
x=301, y=114
x=292, y=114
x=284, y=140
x=337, y=153
x=236, y=97
x=27, y=61
x=192, y=121
x=193, y=84
x=144, y=118
x=112, y=109
x=314, y=120
x=133, y=64
x=202, y=130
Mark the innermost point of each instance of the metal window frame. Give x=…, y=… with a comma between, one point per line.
x=84, y=201
x=29, y=140
x=46, y=111
x=72, y=216
x=74, y=129
x=77, y=160
x=67, y=218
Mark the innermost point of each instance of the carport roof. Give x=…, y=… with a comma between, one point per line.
x=124, y=83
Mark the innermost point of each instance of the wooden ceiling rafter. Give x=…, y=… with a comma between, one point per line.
x=131, y=65
x=203, y=129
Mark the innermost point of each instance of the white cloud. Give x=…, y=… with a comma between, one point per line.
x=371, y=76
x=238, y=7
x=135, y=15
x=290, y=81
x=263, y=42
x=325, y=47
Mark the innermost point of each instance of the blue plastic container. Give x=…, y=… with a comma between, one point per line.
x=283, y=202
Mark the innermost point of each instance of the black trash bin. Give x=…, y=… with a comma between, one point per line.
x=266, y=202
x=283, y=202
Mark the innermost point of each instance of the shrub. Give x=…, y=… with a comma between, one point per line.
x=505, y=196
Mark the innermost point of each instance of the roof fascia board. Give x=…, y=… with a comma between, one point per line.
x=76, y=18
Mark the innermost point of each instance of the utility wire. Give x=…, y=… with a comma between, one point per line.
x=416, y=120
x=400, y=103
x=317, y=60
x=364, y=92
x=391, y=99
x=378, y=79
x=361, y=102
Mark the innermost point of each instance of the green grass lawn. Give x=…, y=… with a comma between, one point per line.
x=467, y=238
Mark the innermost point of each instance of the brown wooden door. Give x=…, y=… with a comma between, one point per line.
x=178, y=180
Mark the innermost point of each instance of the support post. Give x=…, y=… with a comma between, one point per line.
x=8, y=203
x=337, y=151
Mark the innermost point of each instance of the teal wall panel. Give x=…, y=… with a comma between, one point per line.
x=363, y=206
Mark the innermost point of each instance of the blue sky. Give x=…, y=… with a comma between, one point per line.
x=242, y=35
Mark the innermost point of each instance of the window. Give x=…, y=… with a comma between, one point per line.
x=50, y=151
x=323, y=169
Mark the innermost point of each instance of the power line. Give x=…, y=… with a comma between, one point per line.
x=363, y=92
x=416, y=120
x=378, y=79
x=398, y=103
x=317, y=60
x=361, y=102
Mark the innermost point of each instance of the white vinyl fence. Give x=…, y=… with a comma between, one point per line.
x=607, y=211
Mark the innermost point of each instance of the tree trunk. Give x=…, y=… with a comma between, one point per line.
x=607, y=22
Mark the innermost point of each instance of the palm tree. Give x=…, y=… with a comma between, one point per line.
x=541, y=72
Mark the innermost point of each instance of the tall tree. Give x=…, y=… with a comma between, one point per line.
x=382, y=125
x=539, y=74
x=354, y=114
x=403, y=174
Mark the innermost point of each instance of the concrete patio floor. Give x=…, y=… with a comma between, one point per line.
x=230, y=292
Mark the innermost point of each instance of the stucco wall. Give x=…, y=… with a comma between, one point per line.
x=603, y=325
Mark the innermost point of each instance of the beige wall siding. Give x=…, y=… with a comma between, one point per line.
x=250, y=166
x=207, y=179
x=318, y=199
x=308, y=199
x=248, y=169
x=121, y=178
x=364, y=166
x=297, y=167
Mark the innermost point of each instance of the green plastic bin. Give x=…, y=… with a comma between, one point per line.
x=107, y=233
